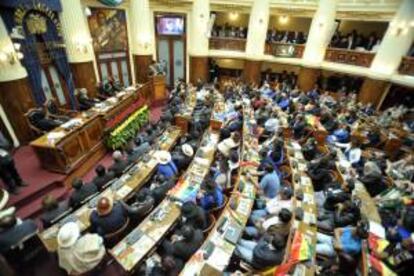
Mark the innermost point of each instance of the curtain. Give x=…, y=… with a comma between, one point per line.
x=58, y=55
x=30, y=61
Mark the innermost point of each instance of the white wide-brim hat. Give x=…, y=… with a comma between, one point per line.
x=68, y=234
x=163, y=157
x=4, y=198
x=188, y=150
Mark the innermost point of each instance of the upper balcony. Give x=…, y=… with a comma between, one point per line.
x=355, y=42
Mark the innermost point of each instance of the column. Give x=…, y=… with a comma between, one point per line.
x=79, y=45
x=256, y=38
x=143, y=43
x=320, y=33
x=15, y=93
x=397, y=41
x=199, y=40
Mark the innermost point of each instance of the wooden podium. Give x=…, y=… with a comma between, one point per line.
x=159, y=93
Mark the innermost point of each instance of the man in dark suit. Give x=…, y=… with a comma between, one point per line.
x=81, y=192
x=12, y=233
x=8, y=171
x=51, y=210
x=102, y=177
x=119, y=164
x=186, y=247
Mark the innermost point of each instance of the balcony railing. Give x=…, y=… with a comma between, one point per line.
x=228, y=43
x=351, y=57
x=407, y=66
x=278, y=49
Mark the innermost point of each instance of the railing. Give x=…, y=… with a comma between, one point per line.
x=279, y=49
x=358, y=58
x=407, y=66
x=228, y=43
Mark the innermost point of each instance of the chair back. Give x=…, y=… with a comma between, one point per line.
x=212, y=222
x=217, y=210
x=32, y=116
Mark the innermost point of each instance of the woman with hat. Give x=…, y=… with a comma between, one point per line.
x=78, y=255
x=183, y=158
x=166, y=166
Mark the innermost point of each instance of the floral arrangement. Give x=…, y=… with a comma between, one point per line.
x=119, y=136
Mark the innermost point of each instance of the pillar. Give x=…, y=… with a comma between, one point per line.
x=256, y=38
x=320, y=33
x=397, y=41
x=142, y=39
x=15, y=92
x=198, y=45
x=79, y=45
x=373, y=91
x=308, y=77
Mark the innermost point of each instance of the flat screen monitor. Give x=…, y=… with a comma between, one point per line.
x=170, y=25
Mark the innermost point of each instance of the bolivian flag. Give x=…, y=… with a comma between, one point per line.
x=380, y=267
x=377, y=244
x=301, y=248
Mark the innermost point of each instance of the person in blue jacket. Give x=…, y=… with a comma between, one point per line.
x=212, y=196
x=166, y=166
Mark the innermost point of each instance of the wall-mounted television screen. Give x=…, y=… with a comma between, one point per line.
x=170, y=25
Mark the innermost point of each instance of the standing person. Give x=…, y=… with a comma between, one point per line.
x=8, y=171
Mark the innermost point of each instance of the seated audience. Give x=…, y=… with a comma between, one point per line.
x=268, y=251
x=13, y=231
x=169, y=266
x=183, y=157
x=78, y=254
x=211, y=196
x=81, y=192
x=52, y=209
x=194, y=215
x=270, y=183
x=119, y=165
x=102, y=177
x=183, y=248
x=225, y=146
x=166, y=166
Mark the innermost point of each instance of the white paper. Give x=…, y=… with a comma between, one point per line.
x=377, y=229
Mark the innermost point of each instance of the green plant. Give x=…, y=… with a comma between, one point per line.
x=128, y=129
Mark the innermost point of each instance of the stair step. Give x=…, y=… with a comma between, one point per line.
x=34, y=208
x=30, y=193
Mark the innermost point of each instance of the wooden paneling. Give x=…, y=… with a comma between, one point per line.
x=358, y=58
x=252, y=71
x=284, y=49
x=407, y=66
x=227, y=43
x=142, y=63
x=84, y=76
x=307, y=78
x=373, y=91
x=16, y=98
x=198, y=69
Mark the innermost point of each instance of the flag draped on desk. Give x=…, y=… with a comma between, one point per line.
x=301, y=248
x=380, y=267
x=377, y=244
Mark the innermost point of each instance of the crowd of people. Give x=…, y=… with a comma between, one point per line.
x=356, y=41
x=229, y=31
x=291, y=37
x=342, y=226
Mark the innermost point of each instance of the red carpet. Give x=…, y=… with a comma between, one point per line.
x=42, y=182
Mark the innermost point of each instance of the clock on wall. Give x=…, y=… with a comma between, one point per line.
x=112, y=3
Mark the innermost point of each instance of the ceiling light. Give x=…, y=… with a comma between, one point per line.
x=283, y=19
x=233, y=16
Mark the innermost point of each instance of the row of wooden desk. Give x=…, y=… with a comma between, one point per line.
x=130, y=182
x=69, y=145
x=214, y=255
x=136, y=246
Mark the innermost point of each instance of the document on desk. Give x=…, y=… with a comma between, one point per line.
x=123, y=192
x=219, y=259
x=308, y=198
x=309, y=218
x=377, y=229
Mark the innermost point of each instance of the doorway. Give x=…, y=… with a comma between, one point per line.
x=171, y=45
